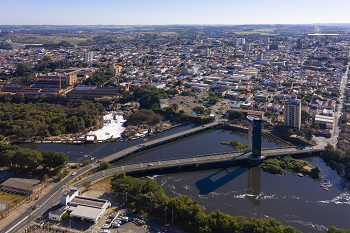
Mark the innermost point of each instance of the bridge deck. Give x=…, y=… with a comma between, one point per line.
x=155, y=142
x=205, y=159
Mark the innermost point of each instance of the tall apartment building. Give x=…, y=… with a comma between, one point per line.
x=299, y=44
x=88, y=56
x=240, y=41
x=246, y=47
x=273, y=46
x=207, y=52
x=292, y=112
x=260, y=56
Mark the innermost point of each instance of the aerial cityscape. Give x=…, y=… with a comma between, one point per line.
x=165, y=121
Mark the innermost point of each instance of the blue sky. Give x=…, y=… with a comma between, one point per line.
x=163, y=12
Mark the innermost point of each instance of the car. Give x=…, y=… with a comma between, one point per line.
x=106, y=226
x=34, y=207
x=150, y=164
x=123, y=204
x=73, y=174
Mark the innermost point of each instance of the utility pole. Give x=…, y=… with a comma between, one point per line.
x=126, y=195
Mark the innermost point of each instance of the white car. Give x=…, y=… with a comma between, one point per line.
x=73, y=174
x=105, y=226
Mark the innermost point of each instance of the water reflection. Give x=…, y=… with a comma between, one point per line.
x=254, y=185
x=218, y=179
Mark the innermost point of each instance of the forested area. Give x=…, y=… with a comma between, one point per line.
x=149, y=198
x=338, y=159
x=12, y=155
x=43, y=120
x=100, y=78
x=149, y=95
x=145, y=116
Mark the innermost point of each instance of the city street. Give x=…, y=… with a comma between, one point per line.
x=322, y=141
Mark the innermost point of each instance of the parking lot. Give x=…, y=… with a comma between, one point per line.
x=132, y=226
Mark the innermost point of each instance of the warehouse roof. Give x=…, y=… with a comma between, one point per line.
x=21, y=184
x=86, y=212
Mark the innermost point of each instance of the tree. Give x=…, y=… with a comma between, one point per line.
x=300, y=133
x=213, y=99
x=236, y=115
x=105, y=165
x=308, y=133
x=198, y=110
x=175, y=107
x=87, y=185
x=53, y=159
x=304, y=115
x=290, y=132
x=23, y=69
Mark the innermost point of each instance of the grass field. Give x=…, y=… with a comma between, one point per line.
x=21, y=39
x=170, y=33
x=261, y=31
x=13, y=198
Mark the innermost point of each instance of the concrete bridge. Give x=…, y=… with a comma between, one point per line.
x=157, y=142
x=196, y=161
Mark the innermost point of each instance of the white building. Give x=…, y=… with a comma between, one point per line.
x=88, y=56
x=240, y=41
x=207, y=52
x=292, y=112
x=57, y=215
x=66, y=198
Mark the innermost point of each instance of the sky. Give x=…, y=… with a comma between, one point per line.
x=166, y=12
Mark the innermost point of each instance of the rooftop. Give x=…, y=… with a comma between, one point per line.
x=20, y=183
x=99, y=203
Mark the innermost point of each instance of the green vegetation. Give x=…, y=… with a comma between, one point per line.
x=145, y=116
x=336, y=157
x=43, y=120
x=15, y=156
x=148, y=96
x=105, y=165
x=236, y=145
x=336, y=230
x=304, y=115
x=13, y=198
x=126, y=134
x=62, y=175
x=87, y=185
x=100, y=78
x=149, y=198
x=285, y=165
x=65, y=215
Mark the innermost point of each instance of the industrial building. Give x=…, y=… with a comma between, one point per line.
x=79, y=207
x=25, y=186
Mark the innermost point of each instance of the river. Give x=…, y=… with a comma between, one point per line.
x=235, y=189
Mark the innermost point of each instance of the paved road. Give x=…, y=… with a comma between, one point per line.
x=219, y=157
x=45, y=202
x=322, y=141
